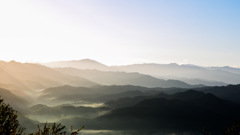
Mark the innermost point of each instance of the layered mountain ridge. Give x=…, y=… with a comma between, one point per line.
x=192, y=74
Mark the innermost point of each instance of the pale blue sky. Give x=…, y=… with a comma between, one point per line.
x=117, y=32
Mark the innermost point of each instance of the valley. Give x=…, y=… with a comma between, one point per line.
x=110, y=102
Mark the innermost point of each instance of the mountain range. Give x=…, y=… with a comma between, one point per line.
x=174, y=70
x=139, y=108
x=123, y=78
x=80, y=64
x=156, y=98
x=192, y=74
x=100, y=94
x=16, y=102
x=29, y=77
x=188, y=111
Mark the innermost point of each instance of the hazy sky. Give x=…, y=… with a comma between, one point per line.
x=116, y=32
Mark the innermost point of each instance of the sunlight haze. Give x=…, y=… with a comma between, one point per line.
x=121, y=32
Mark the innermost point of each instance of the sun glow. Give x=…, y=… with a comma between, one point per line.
x=117, y=33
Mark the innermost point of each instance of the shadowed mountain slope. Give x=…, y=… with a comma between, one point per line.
x=128, y=101
x=186, y=96
x=16, y=102
x=108, y=97
x=230, y=92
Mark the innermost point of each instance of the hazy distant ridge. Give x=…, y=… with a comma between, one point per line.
x=192, y=74
x=123, y=78
x=29, y=76
x=80, y=64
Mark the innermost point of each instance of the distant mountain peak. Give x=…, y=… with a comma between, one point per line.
x=90, y=60
x=12, y=61
x=173, y=64
x=80, y=64
x=188, y=95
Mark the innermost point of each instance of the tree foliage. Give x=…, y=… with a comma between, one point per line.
x=8, y=119
x=234, y=130
x=54, y=130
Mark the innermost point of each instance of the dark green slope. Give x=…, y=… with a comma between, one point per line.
x=230, y=92
x=189, y=111
x=16, y=102
x=108, y=97
x=206, y=111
